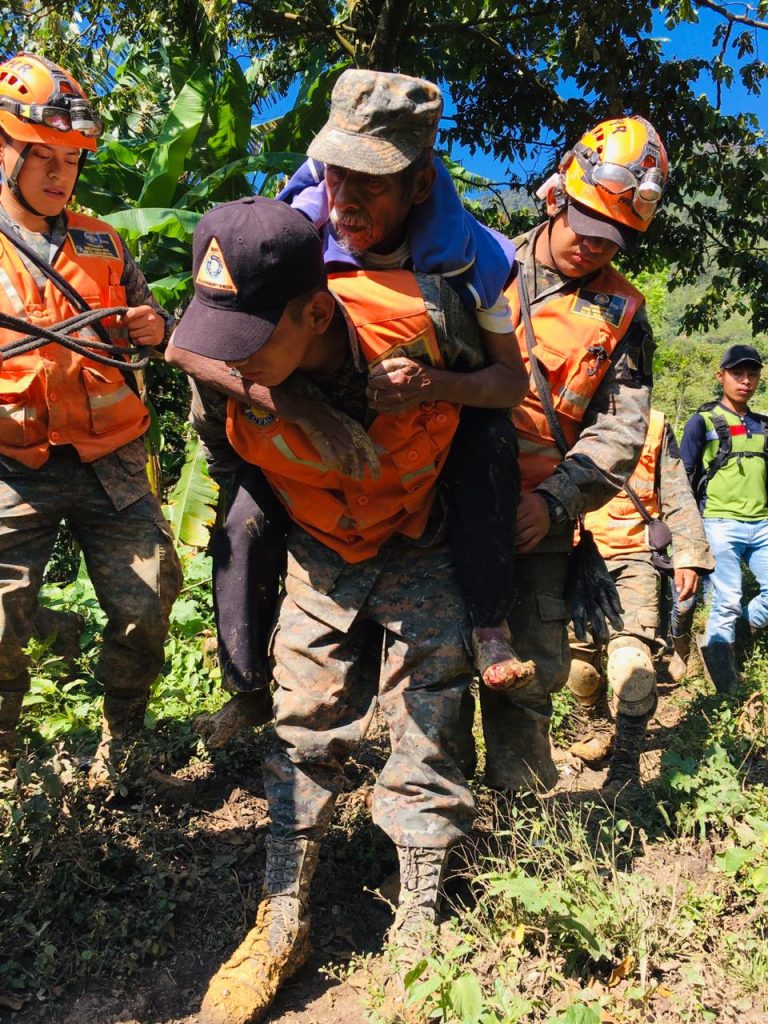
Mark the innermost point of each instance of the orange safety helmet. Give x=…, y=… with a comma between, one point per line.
x=41, y=102
x=618, y=170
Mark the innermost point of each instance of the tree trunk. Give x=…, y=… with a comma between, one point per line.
x=391, y=29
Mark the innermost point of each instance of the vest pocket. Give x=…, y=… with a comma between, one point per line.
x=21, y=420
x=113, y=404
x=574, y=380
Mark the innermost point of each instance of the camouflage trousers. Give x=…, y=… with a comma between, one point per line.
x=516, y=722
x=638, y=584
x=129, y=554
x=406, y=650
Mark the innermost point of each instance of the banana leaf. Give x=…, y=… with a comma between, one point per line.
x=176, y=139
x=191, y=508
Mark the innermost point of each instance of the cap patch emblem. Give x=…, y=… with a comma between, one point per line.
x=213, y=272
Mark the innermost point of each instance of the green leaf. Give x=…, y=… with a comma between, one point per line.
x=136, y=223
x=733, y=860
x=467, y=998
x=186, y=617
x=232, y=114
x=176, y=139
x=296, y=129
x=172, y=291
x=578, y=1013
x=191, y=508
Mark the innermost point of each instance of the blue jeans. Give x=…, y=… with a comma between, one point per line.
x=732, y=543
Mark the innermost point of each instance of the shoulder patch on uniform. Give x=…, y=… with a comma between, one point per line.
x=93, y=243
x=213, y=272
x=600, y=306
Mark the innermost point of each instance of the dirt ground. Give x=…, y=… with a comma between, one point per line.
x=349, y=915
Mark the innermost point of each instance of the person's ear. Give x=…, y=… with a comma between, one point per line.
x=552, y=205
x=320, y=311
x=424, y=183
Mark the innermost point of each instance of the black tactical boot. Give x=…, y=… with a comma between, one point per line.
x=678, y=663
x=625, y=762
x=718, y=660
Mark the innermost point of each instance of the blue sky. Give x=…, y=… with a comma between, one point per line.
x=688, y=40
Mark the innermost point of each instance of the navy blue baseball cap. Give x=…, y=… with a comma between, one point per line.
x=737, y=354
x=250, y=258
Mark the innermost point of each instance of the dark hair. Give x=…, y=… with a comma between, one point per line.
x=295, y=306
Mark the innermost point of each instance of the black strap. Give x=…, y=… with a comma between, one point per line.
x=632, y=495
x=542, y=387
x=724, y=448
x=74, y=296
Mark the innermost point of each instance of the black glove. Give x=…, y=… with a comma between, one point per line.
x=590, y=592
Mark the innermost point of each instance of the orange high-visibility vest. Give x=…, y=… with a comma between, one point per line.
x=51, y=395
x=355, y=517
x=576, y=336
x=618, y=527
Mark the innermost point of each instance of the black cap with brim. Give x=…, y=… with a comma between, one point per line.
x=250, y=258
x=584, y=221
x=735, y=355
x=228, y=335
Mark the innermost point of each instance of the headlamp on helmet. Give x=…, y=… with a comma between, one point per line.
x=617, y=169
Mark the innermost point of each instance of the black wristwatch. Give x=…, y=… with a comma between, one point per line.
x=558, y=515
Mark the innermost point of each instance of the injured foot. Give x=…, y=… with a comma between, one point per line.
x=497, y=661
x=241, y=711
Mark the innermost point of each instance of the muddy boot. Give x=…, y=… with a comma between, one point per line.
x=10, y=710
x=624, y=770
x=592, y=727
x=121, y=726
x=242, y=711
x=678, y=663
x=242, y=990
x=497, y=661
x=412, y=934
x=718, y=661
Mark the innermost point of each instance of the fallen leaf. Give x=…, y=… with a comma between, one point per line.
x=621, y=971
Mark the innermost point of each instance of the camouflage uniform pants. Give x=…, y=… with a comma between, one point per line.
x=404, y=649
x=516, y=722
x=638, y=584
x=129, y=555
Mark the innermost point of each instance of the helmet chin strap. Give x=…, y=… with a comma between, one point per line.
x=13, y=183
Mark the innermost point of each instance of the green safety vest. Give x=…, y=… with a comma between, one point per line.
x=735, y=463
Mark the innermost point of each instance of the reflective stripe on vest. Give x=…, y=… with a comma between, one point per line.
x=576, y=336
x=618, y=528
x=355, y=517
x=66, y=398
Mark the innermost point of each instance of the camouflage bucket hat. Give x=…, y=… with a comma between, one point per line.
x=379, y=122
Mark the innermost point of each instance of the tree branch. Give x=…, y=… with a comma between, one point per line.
x=740, y=19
